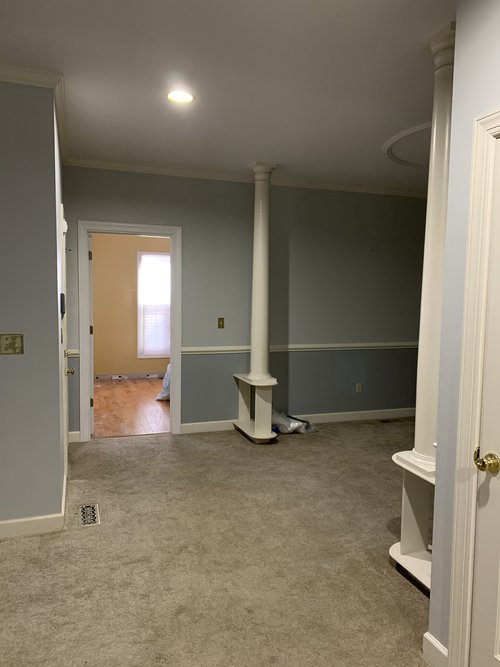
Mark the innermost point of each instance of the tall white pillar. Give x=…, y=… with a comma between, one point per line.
x=259, y=338
x=256, y=389
x=424, y=454
x=419, y=465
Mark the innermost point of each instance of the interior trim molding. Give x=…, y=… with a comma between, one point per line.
x=480, y=223
x=30, y=77
x=74, y=436
x=279, y=180
x=434, y=652
x=207, y=427
x=35, y=525
x=217, y=349
x=313, y=347
x=358, y=415
x=322, y=418
x=42, y=79
x=388, y=147
x=85, y=228
x=302, y=347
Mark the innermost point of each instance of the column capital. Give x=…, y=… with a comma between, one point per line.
x=442, y=46
x=263, y=170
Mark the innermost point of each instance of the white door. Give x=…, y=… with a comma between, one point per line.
x=485, y=636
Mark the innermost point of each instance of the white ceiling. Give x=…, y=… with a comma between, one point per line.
x=317, y=86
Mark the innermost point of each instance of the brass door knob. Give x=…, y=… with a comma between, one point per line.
x=487, y=463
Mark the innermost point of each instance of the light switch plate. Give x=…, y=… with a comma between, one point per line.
x=12, y=343
x=220, y=323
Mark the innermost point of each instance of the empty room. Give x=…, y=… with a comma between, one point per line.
x=264, y=214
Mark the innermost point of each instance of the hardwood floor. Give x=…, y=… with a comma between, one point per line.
x=129, y=407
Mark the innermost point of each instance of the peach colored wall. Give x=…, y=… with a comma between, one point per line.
x=115, y=303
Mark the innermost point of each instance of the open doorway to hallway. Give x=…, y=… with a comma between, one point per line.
x=131, y=295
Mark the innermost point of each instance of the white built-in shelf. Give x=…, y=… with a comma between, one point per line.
x=255, y=408
x=412, y=552
x=248, y=428
x=407, y=462
x=418, y=563
x=263, y=382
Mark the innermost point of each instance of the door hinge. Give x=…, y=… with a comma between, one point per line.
x=91, y=402
x=91, y=329
x=90, y=255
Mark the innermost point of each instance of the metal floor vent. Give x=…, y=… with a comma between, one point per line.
x=89, y=515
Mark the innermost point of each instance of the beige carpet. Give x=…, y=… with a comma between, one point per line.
x=213, y=551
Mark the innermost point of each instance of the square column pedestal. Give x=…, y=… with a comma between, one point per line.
x=255, y=406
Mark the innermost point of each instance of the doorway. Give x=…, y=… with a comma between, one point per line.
x=475, y=583
x=131, y=322
x=130, y=383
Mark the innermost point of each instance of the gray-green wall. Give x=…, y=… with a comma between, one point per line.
x=31, y=457
x=345, y=268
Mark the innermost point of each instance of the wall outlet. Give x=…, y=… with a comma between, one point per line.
x=359, y=388
x=11, y=343
x=220, y=323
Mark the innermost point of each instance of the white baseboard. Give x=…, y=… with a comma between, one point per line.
x=205, y=427
x=434, y=652
x=359, y=415
x=322, y=418
x=35, y=525
x=74, y=436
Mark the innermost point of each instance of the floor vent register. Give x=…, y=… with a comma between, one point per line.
x=89, y=515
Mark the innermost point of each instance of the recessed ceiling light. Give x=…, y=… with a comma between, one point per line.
x=180, y=96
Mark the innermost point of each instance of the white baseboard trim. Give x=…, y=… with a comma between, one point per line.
x=74, y=436
x=35, y=525
x=434, y=652
x=322, y=418
x=359, y=415
x=205, y=427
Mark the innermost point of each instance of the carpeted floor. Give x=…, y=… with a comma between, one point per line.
x=214, y=552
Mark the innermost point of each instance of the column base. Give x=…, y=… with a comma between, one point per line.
x=255, y=408
x=425, y=468
x=417, y=564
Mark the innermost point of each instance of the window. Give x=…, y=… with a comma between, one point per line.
x=153, y=304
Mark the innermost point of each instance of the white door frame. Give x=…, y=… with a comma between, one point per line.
x=486, y=133
x=86, y=227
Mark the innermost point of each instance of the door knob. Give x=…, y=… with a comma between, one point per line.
x=70, y=371
x=487, y=463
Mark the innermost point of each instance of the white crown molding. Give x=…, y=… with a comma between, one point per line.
x=41, y=79
x=60, y=107
x=158, y=171
x=29, y=77
x=279, y=179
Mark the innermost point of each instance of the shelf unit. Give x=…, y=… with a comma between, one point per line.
x=413, y=552
x=255, y=407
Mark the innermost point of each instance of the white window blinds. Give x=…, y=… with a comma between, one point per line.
x=153, y=304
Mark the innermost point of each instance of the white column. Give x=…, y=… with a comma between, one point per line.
x=423, y=454
x=259, y=339
x=255, y=389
